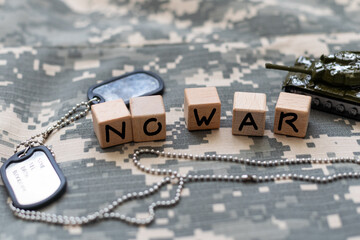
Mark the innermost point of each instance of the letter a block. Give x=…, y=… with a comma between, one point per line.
x=292, y=113
x=249, y=112
x=148, y=118
x=202, y=108
x=112, y=123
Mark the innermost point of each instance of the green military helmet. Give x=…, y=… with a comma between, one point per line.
x=333, y=82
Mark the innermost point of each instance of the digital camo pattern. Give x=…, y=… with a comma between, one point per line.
x=52, y=51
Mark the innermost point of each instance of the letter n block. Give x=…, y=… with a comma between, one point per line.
x=202, y=108
x=112, y=123
x=148, y=118
x=249, y=112
x=292, y=113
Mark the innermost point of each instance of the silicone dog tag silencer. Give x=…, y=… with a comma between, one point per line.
x=33, y=180
x=134, y=84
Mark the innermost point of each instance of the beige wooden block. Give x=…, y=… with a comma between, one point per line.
x=292, y=113
x=202, y=108
x=112, y=123
x=148, y=118
x=249, y=112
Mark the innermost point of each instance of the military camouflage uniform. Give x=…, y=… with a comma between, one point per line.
x=52, y=51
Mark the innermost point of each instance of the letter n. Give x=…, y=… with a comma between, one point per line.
x=108, y=128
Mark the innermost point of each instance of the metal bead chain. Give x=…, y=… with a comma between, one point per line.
x=173, y=177
x=40, y=138
x=248, y=177
x=107, y=212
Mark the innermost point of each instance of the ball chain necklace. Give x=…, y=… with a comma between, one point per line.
x=169, y=177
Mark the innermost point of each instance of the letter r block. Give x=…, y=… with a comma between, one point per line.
x=202, y=108
x=249, y=112
x=292, y=113
x=148, y=118
x=112, y=123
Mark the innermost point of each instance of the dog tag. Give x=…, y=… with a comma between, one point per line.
x=33, y=180
x=135, y=84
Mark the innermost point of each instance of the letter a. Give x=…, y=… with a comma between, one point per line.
x=251, y=122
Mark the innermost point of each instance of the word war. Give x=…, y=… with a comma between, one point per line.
x=146, y=121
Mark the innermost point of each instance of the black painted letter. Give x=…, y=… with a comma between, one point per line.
x=147, y=123
x=199, y=122
x=289, y=121
x=245, y=122
x=121, y=134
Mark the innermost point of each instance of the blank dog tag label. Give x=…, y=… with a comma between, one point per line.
x=33, y=180
x=135, y=84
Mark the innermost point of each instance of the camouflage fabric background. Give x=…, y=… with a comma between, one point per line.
x=52, y=51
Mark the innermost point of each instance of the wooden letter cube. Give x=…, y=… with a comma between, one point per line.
x=202, y=108
x=292, y=113
x=148, y=118
x=249, y=112
x=112, y=123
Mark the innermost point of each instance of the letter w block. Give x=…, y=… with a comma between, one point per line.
x=202, y=108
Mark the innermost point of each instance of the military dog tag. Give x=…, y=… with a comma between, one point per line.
x=34, y=179
x=135, y=84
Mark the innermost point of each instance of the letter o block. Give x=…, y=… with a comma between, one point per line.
x=148, y=118
x=249, y=112
x=292, y=113
x=112, y=123
x=202, y=108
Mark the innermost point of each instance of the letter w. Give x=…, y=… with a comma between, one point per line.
x=199, y=122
